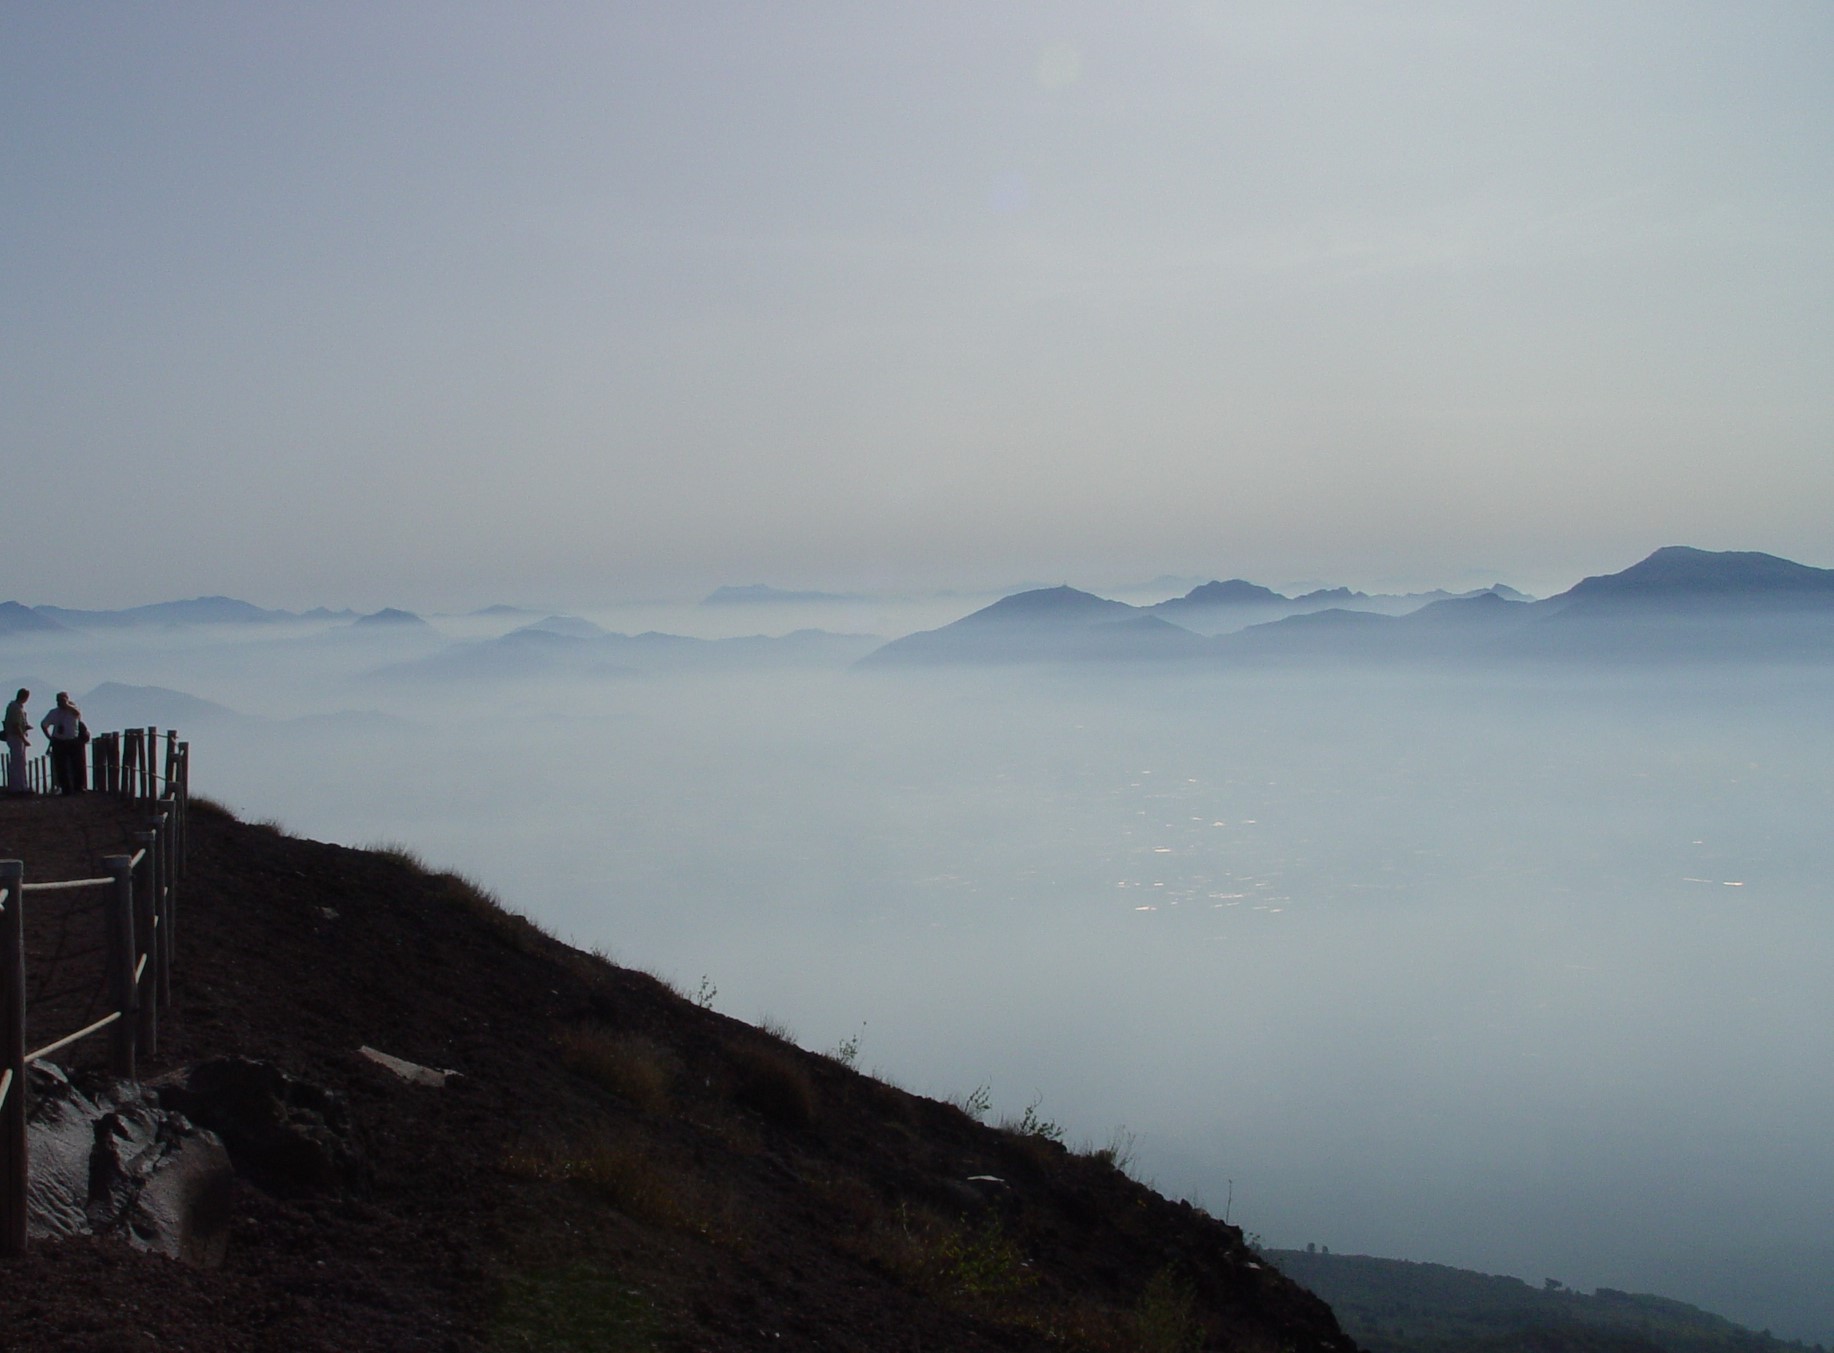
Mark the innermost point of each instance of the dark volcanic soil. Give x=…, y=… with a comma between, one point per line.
x=614, y=1168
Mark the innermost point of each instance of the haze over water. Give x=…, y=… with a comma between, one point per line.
x=1522, y=970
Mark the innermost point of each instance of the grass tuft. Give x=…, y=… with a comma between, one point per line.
x=776, y=1028
x=400, y=853
x=628, y=1065
x=774, y=1082
x=633, y=1178
x=512, y=927
x=1118, y=1154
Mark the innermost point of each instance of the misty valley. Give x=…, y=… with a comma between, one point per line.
x=1510, y=955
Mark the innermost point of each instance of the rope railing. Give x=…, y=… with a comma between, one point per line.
x=66, y=885
x=76, y=1037
x=139, y=926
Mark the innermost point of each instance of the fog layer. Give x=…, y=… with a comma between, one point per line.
x=1519, y=971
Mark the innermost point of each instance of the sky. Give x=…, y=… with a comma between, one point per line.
x=439, y=305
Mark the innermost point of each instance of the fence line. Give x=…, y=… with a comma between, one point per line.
x=139, y=926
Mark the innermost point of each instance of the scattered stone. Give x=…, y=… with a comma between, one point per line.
x=411, y=1072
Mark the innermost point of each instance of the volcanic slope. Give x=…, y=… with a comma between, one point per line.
x=615, y=1167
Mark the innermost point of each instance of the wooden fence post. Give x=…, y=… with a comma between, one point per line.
x=164, y=827
x=172, y=856
x=184, y=807
x=146, y=942
x=12, y=1061
x=162, y=933
x=118, y=913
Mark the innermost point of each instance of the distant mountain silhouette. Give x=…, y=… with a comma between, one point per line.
x=1678, y=575
x=1048, y=606
x=1398, y=1306
x=1222, y=607
x=1235, y=592
x=18, y=619
x=1678, y=604
x=538, y=651
x=198, y=611
x=1332, y=634
x=1685, y=604
x=1047, y=624
x=390, y=618
x=573, y=626
x=115, y=704
x=1330, y=596
x=752, y=594
x=1482, y=607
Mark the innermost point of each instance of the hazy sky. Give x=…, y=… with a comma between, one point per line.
x=442, y=304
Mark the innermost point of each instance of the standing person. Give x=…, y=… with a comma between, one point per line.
x=63, y=724
x=18, y=734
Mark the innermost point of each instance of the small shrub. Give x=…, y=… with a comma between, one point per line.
x=984, y=1262
x=628, y=1065
x=847, y=1051
x=776, y=1084
x=976, y=1102
x=1029, y=1124
x=1165, y=1321
x=978, y=1264
x=704, y=995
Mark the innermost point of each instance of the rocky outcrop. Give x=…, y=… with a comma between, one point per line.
x=108, y=1159
x=287, y=1136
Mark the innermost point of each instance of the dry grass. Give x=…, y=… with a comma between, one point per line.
x=776, y=1028
x=1118, y=1154
x=401, y=854
x=512, y=927
x=632, y=1067
x=773, y=1081
x=633, y=1177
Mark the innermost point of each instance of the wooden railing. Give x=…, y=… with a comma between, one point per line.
x=139, y=930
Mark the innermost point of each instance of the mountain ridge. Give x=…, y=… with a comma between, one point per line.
x=1677, y=603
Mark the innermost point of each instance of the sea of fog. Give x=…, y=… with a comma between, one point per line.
x=1525, y=971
